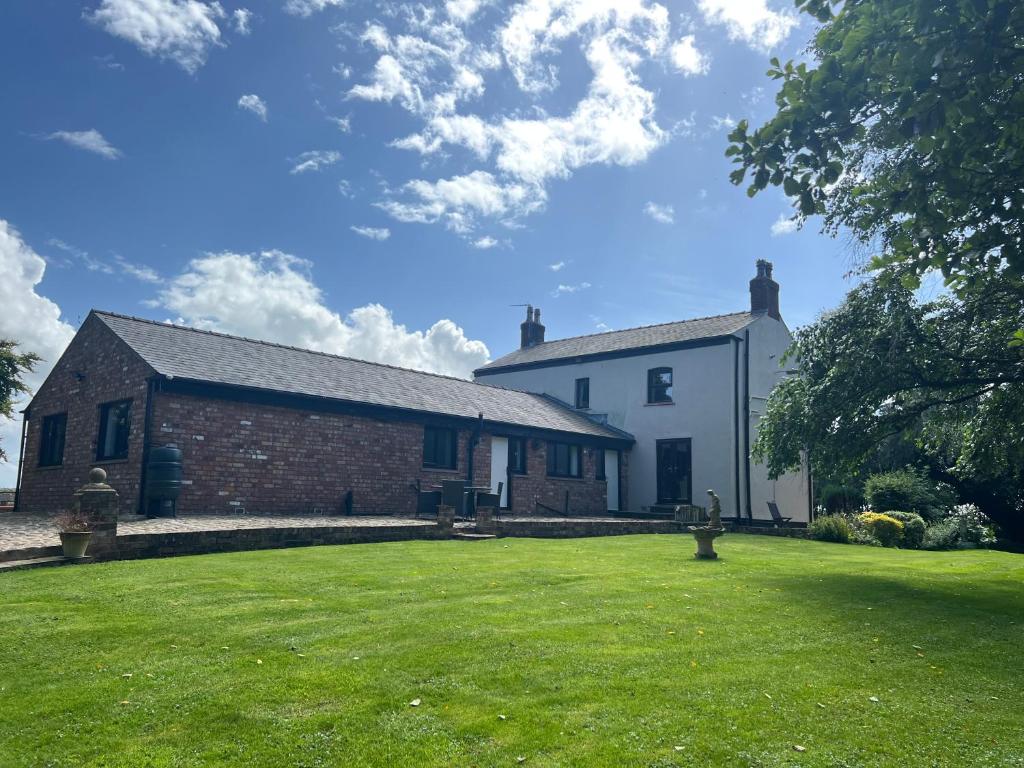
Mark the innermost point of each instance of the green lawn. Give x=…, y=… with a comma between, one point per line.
x=594, y=652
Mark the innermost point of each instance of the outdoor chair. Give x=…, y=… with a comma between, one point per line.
x=776, y=515
x=427, y=502
x=491, y=500
x=453, y=494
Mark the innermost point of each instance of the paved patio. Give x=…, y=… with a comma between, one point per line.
x=18, y=532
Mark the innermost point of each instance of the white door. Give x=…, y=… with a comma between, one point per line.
x=499, y=467
x=611, y=473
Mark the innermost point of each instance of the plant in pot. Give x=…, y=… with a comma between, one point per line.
x=74, y=530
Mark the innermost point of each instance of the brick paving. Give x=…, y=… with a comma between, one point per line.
x=18, y=532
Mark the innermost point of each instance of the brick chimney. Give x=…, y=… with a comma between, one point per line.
x=764, y=292
x=531, y=331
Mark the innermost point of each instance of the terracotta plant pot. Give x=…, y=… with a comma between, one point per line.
x=75, y=543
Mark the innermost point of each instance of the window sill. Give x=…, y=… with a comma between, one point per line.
x=125, y=460
x=48, y=467
x=657, y=405
x=563, y=477
x=440, y=469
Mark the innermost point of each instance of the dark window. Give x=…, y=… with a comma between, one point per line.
x=599, y=458
x=582, y=393
x=115, y=426
x=564, y=460
x=517, y=455
x=674, y=467
x=659, y=385
x=51, y=446
x=439, y=447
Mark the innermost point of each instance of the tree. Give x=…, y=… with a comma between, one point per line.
x=908, y=130
x=939, y=373
x=12, y=366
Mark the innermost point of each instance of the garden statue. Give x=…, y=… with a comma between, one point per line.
x=706, y=534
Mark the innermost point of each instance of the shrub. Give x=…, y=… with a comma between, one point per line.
x=840, y=498
x=887, y=530
x=973, y=525
x=862, y=535
x=913, y=528
x=941, y=535
x=834, y=528
x=907, y=489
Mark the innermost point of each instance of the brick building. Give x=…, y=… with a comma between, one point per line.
x=266, y=428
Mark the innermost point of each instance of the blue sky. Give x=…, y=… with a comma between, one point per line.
x=385, y=180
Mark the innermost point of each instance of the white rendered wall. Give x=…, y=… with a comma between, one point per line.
x=705, y=380
x=702, y=410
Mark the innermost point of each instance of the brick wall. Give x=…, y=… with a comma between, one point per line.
x=106, y=370
x=255, y=457
x=270, y=459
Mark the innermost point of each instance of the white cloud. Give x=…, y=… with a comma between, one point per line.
x=373, y=233
x=662, y=213
x=343, y=124
x=243, y=20
x=783, y=226
x=431, y=69
x=485, y=243
x=91, y=141
x=718, y=123
x=254, y=104
x=272, y=296
x=345, y=188
x=180, y=30
x=462, y=10
x=563, y=289
x=306, y=8
x=751, y=21
x=120, y=264
x=458, y=201
x=33, y=321
x=687, y=59
x=557, y=266
x=314, y=160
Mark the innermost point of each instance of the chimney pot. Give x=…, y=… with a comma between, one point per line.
x=764, y=291
x=531, y=331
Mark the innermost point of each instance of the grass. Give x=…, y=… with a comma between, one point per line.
x=596, y=652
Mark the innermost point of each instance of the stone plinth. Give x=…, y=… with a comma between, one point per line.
x=445, y=517
x=98, y=501
x=485, y=519
x=705, y=537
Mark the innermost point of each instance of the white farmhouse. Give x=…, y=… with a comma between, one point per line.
x=690, y=392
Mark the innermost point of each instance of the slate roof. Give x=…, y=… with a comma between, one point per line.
x=630, y=340
x=216, y=358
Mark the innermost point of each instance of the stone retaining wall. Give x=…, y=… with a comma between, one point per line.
x=134, y=546
x=568, y=529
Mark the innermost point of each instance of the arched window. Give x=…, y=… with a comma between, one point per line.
x=659, y=385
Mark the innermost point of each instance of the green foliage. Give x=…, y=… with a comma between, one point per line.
x=913, y=528
x=938, y=373
x=834, y=528
x=888, y=530
x=13, y=366
x=905, y=489
x=941, y=535
x=837, y=498
x=904, y=129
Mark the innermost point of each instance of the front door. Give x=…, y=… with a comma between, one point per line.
x=674, y=465
x=611, y=474
x=499, y=468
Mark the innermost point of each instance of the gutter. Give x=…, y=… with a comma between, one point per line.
x=736, y=421
x=150, y=389
x=746, y=420
x=21, y=458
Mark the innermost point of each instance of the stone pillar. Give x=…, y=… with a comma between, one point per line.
x=98, y=501
x=445, y=517
x=485, y=520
